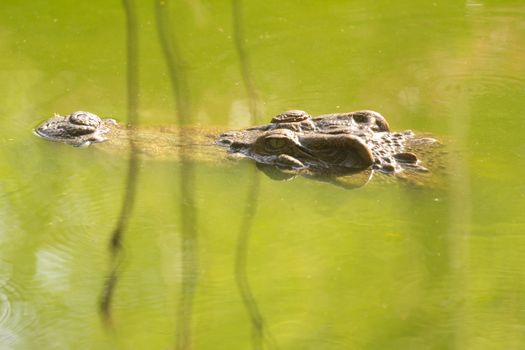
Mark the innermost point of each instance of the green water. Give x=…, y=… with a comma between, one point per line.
x=235, y=260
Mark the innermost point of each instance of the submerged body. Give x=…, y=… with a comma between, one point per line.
x=332, y=145
x=164, y=142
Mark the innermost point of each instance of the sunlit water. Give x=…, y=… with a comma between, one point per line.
x=293, y=264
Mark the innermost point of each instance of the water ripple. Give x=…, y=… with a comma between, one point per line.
x=499, y=13
x=15, y=316
x=5, y=308
x=476, y=84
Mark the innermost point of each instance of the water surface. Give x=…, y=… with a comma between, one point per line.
x=236, y=260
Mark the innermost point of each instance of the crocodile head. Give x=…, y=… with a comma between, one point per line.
x=78, y=129
x=292, y=143
x=335, y=144
x=288, y=149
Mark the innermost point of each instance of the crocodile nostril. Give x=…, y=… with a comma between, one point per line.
x=361, y=118
x=406, y=157
x=225, y=142
x=382, y=125
x=236, y=146
x=388, y=168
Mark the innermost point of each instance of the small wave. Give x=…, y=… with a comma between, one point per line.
x=502, y=13
x=478, y=84
x=15, y=315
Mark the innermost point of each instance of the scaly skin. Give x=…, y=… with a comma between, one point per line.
x=78, y=129
x=292, y=143
x=337, y=144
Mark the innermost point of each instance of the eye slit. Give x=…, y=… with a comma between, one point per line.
x=275, y=143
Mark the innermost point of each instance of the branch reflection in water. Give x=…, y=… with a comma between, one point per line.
x=259, y=331
x=131, y=181
x=189, y=258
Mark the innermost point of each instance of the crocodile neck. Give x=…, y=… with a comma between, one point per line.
x=165, y=143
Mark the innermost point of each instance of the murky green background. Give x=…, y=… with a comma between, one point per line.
x=291, y=265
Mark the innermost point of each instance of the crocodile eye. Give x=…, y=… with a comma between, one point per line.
x=275, y=143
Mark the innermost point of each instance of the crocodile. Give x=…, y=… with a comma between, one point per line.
x=293, y=143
